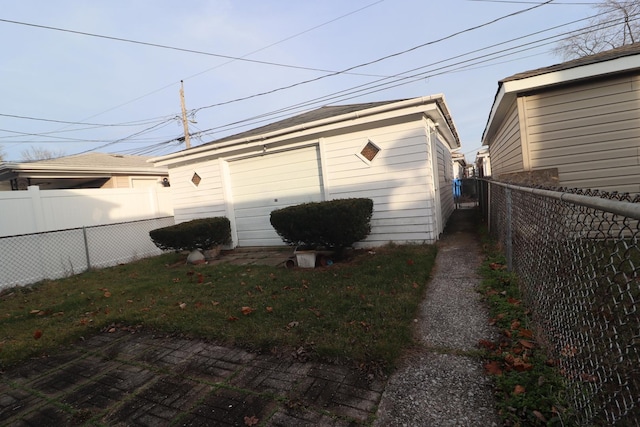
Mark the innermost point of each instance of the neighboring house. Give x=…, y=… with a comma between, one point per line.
x=483, y=163
x=398, y=153
x=575, y=124
x=92, y=170
x=459, y=166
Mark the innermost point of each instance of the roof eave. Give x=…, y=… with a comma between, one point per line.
x=204, y=150
x=508, y=90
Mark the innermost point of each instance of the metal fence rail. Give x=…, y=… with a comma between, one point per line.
x=577, y=259
x=30, y=258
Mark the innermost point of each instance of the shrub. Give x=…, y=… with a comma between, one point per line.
x=204, y=234
x=332, y=224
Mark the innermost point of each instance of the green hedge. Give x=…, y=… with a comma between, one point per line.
x=204, y=234
x=332, y=224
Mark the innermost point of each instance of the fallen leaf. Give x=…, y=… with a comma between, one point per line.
x=232, y=318
x=521, y=366
x=198, y=304
x=526, y=333
x=497, y=266
x=315, y=311
x=251, y=421
x=111, y=330
x=37, y=334
x=269, y=309
x=35, y=311
x=527, y=344
x=513, y=301
x=292, y=324
x=409, y=262
x=493, y=368
x=486, y=344
x=107, y=294
x=246, y=310
x=415, y=285
x=215, y=302
x=515, y=325
x=519, y=390
x=182, y=305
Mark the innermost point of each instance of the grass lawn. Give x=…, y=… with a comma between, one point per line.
x=357, y=311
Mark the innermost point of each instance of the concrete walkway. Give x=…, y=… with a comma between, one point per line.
x=443, y=384
x=126, y=377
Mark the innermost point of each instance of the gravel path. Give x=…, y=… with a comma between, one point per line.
x=444, y=384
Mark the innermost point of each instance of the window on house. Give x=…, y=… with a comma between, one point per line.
x=369, y=152
x=195, y=179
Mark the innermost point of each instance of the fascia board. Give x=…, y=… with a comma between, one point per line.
x=497, y=110
x=30, y=168
x=509, y=90
x=407, y=107
x=598, y=69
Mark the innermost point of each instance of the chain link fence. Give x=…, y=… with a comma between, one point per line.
x=30, y=258
x=577, y=258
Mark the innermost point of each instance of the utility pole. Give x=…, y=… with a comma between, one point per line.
x=185, y=122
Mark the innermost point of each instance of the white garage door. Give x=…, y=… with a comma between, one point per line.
x=272, y=181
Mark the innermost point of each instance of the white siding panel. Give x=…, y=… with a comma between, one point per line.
x=264, y=183
x=398, y=180
x=205, y=200
x=445, y=176
x=590, y=132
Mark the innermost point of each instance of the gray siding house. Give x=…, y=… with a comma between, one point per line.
x=577, y=122
x=398, y=153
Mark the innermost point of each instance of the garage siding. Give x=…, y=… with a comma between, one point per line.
x=505, y=148
x=398, y=180
x=272, y=181
x=445, y=176
x=590, y=132
x=202, y=201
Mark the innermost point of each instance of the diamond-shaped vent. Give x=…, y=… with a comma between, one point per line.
x=196, y=179
x=370, y=151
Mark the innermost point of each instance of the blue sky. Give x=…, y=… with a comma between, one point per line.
x=127, y=94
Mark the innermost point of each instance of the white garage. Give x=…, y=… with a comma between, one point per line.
x=261, y=184
x=397, y=153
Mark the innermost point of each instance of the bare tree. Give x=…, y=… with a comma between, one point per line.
x=1, y=155
x=617, y=23
x=33, y=154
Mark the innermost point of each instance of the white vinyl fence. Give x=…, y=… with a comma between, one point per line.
x=30, y=258
x=35, y=210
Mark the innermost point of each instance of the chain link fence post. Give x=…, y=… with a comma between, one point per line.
x=86, y=247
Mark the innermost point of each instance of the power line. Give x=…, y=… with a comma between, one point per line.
x=161, y=46
x=232, y=59
x=419, y=76
x=535, y=2
x=379, y=59
x=133, y=123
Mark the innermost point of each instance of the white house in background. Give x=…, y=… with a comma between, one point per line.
x=483, y=163
x=91, y=170
x=459, y=166
x=398, y=153
x=578, y=122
